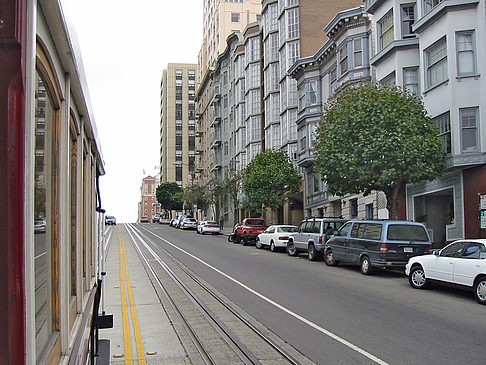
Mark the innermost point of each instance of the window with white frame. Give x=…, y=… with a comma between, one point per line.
x=343, y=59
x=466, y=53
x=389, y=79
x=276, y=135
x=436, y=63
x=283, y=94
x=411, y=79
x=313, y=92
x=385, y=30
x=275, y=76
x=443, y=123
x=254, y=49
x=407, y=18
x=358, y=52
x=293, y=95
x=333, y=80
x=255, y=129
x=272, y=17
x=430, y=4
x=293, y=52
x=293, y=23
x=469, y=129
x=302, y=97
x=302, y=139
x=255, y=149
x=273, y=40
x=254, y=74
x=284, y=128
x=292, y=124
x=275, y=106
x=255, y=101
x=283, y=61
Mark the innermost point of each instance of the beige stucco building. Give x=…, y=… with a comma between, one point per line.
x=221, y=18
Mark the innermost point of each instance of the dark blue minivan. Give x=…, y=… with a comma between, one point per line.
x=377, y=243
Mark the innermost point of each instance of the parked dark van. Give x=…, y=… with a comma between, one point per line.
x=377, y=243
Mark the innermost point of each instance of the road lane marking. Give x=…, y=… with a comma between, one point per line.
x=136, y=326
x=126, y=325
x=275, y=304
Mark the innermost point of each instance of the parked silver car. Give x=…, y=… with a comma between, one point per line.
x=188, y=223
x=312, y=235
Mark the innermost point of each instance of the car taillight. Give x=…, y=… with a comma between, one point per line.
x=431, y=250
x=383, y=248
x=283, y=238
x=320, y=240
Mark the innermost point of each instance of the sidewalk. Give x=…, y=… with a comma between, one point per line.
x=156, y=340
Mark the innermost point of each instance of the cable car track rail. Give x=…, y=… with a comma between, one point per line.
x=226, y=334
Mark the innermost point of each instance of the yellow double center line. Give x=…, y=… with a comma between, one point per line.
x=126, y=324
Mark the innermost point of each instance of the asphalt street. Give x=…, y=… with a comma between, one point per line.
x=335, y=315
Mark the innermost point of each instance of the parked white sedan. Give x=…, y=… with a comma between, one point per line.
x=208, y=227
x=462, y=263
x=275, y=236
x=188, y=223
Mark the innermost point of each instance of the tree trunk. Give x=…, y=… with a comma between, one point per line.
x=392, y=199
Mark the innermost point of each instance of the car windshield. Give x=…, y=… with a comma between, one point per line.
x=407, y=232
x=211, y=223
x=255, y=222
x=290, y=229
x=190, y=220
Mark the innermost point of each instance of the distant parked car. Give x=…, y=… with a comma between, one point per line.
x=164, y=220
x=208, y=227
x=461, y=263
x=275, y=237
x=40, y=225
x=181, y=218
x=110, y=220
x=155, y=218
x=312, y=235
x=188, y=223
x=387, y=244
x=144, y=219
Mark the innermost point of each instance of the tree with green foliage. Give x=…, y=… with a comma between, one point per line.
x=270, y=179
x=170, y=196
x=374, y=137
x=232, y=187
x=197, y=195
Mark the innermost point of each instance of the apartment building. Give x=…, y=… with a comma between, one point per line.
x=178, y=123
x=433, y=48
x=220, y=19
x=343, y=58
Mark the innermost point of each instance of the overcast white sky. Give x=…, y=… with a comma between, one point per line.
x=125, y=45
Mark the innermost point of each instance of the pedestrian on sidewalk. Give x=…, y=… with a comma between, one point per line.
x=221, y=223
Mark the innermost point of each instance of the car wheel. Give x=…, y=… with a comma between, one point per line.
x=272, y=246
x=329, y=259
x=417, y=278
x=291, y=250
x=245, y=240
x=258, y=244
x=365, y=266
x=312, y=253
x=480, y=290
